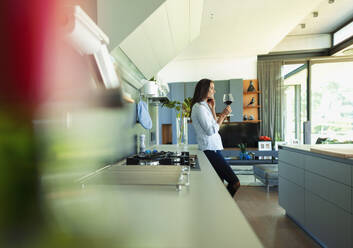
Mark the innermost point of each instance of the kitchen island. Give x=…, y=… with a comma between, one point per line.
x=315, y=189
x=202, y=214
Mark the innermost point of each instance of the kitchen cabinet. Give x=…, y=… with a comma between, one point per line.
x=327, y=190
x=292, y=158
x=291, y=189
x=221, y=87
x=331, y=169
x=236, y=88
x=189, y=89
x=324, y=195
x=291, y=173
x=291, y=198
x=191, y=134
x=329, y=224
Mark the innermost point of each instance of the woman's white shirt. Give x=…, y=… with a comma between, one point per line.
x=206, y=127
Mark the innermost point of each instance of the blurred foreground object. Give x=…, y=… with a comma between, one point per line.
x=43, y=76
x=88, y=39
x=25, y=26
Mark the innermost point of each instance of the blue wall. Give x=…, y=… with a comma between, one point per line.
x=180, y=91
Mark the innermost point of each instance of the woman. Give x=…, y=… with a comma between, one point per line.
x=206, y=125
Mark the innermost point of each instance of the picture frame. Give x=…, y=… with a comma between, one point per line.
x=265, y=146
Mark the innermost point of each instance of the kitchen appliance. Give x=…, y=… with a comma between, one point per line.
x=166, y=175
x=142, y=143
x=147, y=168
x=157, y=168
x=150, y=88
x=161, y=158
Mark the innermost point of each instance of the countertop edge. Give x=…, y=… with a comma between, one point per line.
x=301, y=149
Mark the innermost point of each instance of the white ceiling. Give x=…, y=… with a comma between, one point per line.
x=118, y=18
x=248, y=28
x=331, y=17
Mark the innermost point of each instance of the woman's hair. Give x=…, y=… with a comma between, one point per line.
x=201, y=91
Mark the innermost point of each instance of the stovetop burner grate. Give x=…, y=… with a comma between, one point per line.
x=164, y=158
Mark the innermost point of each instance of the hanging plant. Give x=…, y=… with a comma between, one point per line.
x=242, y=147
x=183, y=109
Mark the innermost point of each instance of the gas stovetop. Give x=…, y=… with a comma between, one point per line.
x=164, y=158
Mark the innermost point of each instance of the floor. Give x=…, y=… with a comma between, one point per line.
x=269, y=221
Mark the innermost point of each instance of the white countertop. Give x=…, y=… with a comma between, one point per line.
x=298, y=147
x=344, y=151
x=201, y=215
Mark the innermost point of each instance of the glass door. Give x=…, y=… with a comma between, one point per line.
x=332, y=101
x=295, y=101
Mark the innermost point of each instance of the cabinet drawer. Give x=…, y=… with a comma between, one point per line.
x=291, y=198
x=328, y=223
x=331, y=169
x=293, y=174
x=292, y=158
x=336, y=193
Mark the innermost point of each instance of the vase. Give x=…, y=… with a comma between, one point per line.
x=243, y=155
x=182, y=131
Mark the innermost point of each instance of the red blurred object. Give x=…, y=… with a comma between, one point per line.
x=26, y=29
x=265, y=138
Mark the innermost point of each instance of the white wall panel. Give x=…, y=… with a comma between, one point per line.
x=138, y=48
x=179, y=19
x=216, y=69
x=159, y=34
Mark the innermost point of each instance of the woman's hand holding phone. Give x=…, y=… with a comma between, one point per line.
x=211, y=103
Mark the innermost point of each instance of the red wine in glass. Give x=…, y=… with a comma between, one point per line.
x=228, y=99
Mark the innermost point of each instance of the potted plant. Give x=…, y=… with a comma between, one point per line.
x=183, y=110
x=243, y=153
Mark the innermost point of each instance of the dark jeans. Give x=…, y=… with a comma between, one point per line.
x=223, y=169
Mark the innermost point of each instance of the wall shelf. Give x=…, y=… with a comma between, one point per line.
x=251, y=92
x=252, y=96
x=247, y=121
x=252, y=121
x=256, y=106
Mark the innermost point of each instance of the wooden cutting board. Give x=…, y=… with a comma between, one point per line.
x=336, y=150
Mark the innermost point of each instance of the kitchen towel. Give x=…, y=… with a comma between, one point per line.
x=143, y=115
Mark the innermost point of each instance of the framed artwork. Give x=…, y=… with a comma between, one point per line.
x=264, y=146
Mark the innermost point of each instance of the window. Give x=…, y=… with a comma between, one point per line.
x=343, y=33
x=332, y=101
x=294, y=99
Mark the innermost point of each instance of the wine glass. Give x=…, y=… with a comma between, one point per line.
x=228, y=99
